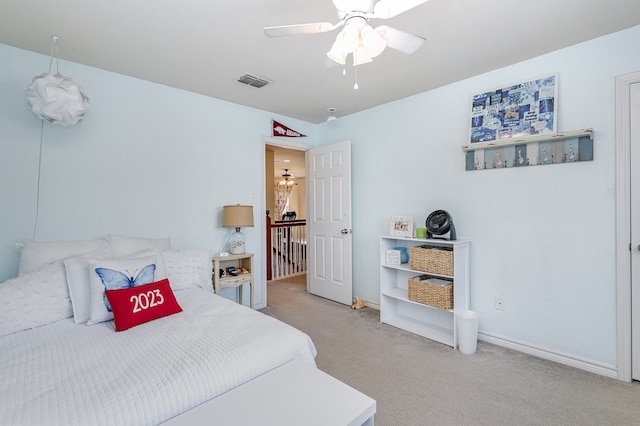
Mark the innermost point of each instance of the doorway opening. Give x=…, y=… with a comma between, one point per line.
x=327, y=214
x=286, y=212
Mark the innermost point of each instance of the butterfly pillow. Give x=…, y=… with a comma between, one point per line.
x=115, y=274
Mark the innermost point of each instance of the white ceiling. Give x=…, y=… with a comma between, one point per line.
x=203, y=46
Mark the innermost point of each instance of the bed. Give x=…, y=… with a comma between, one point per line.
x=56, y=369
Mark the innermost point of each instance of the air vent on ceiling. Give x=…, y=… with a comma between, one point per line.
x=253, y=80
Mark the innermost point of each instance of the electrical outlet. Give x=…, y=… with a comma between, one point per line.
x=500, y=303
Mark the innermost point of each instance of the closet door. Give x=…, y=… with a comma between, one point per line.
x=634, y=110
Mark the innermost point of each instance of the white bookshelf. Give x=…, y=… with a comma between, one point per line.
x=395, y=307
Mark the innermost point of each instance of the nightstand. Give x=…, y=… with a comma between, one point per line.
x=233, y=260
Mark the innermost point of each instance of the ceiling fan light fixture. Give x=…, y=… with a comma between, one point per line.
x=361, y=56
x=348, y=40
x=354, y=17
x=372, y=41
x=349, y=37
x=337, y=53
x=359, y=39
x=287, y=180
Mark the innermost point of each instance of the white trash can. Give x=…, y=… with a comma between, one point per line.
x=467, y=331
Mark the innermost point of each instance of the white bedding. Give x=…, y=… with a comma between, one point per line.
x=66, y=373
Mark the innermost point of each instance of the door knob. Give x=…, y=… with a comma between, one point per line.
x=345, y=231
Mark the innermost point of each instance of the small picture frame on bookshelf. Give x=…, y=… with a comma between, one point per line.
x=401, y=226
x=393, y=257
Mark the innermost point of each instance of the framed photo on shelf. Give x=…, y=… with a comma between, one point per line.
x=401, y=226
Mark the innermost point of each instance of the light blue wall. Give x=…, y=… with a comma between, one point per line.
x=542, y=237
x=148, y=160
x=155, y=161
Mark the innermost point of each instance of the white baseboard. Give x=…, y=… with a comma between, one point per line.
x=370, y=304
x=582, y=364
x=561, y=358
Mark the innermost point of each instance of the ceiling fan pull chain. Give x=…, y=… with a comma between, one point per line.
x=355, y=86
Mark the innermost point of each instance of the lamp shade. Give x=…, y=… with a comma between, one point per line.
x=57, y=99
x=237, y=216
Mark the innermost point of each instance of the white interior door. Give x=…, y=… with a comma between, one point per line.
x=329, y=222
x=634, y=110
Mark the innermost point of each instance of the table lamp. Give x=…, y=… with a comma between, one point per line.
x=236, y=217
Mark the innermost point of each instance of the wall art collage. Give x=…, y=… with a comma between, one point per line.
x=516, y=126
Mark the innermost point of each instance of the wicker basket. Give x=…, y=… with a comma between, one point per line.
x=432, y=260
x=439, y=296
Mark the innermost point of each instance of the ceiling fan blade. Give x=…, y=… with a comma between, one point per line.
x=399, y=40
x=389, y=8
x=285, y=30
x=352, y=5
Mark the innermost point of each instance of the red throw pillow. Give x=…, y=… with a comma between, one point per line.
x=137, y=305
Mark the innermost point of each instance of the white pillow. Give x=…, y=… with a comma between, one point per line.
x=122, y=246
x=114, y=274
x=33, y=299
x=36, y=254
x=188, y=268
x=77, y=268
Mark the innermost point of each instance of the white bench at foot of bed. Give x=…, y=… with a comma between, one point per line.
x=293, y=394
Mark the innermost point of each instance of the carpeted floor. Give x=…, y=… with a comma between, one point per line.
x=416, y=381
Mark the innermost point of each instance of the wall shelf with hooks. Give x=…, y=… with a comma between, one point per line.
x=561, y=147
x=530, y=139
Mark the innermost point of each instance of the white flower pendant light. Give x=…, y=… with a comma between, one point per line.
x=56, y=98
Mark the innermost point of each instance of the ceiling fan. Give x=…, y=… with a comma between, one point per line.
x=357, y=37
